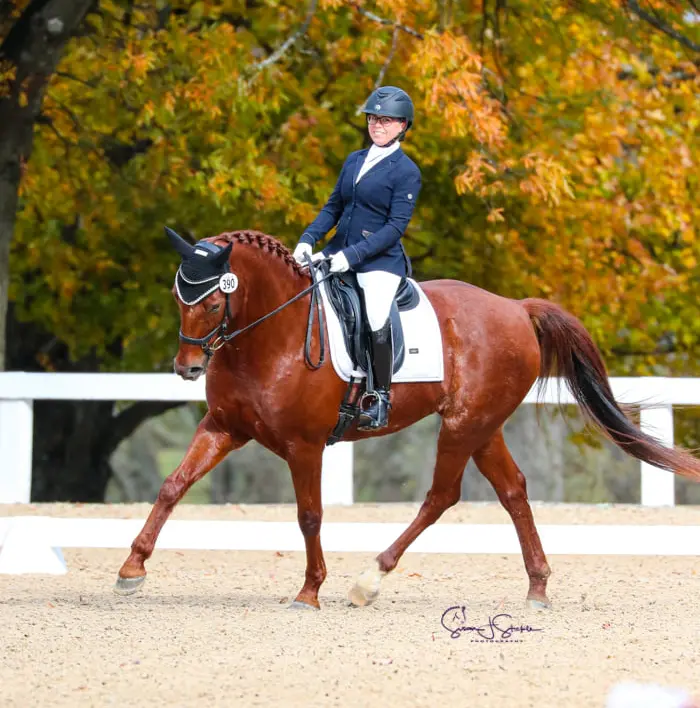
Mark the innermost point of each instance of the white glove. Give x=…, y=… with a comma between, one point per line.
x=339, y=263
x=300, y=251
x=318, y=257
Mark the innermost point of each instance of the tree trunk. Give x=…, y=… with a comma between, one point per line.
x=9, y=185
x=33, y=47
x=68, y=464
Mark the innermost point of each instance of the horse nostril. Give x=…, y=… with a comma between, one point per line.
x=195, y=370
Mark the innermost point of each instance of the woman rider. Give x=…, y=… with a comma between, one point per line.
x=371, y=205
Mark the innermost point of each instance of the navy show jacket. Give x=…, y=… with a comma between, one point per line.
x=371, y=215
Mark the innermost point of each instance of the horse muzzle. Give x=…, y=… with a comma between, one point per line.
x=192, y=371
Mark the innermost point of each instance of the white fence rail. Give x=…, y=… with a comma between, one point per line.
x=19, y=390
x=33, y=544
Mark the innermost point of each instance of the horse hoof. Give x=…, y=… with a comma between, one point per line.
x=128, y=586
x=296, y=605
x=533, y=604
x=366, y=588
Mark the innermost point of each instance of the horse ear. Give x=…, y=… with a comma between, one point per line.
x=223, y=255
x=181, y=246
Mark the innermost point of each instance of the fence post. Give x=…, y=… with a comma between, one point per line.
x=657, y=484
x=16, y=433
x=336, y=479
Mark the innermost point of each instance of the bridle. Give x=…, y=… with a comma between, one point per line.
x=221, y=335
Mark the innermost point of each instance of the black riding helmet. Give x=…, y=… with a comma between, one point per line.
x=392, y=102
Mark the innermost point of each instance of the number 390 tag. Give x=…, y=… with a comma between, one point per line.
x=228, y=282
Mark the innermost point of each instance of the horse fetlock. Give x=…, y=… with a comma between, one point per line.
x=314, y=580
x=540, y=574
x=141, y=551
x=387, y=561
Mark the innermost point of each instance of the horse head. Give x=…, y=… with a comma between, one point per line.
x=203, y=288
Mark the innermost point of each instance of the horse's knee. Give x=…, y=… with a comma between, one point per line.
x=170, y=492
x=310, y=522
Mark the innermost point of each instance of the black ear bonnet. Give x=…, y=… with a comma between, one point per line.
x=201, y=269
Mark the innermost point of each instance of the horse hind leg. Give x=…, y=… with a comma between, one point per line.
x=496, y=464
x=453, y=451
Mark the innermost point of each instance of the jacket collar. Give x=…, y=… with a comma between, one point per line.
x=377, y=167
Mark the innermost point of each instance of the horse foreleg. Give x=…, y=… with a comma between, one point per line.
x=453, y=451
x=208, y=447
x=305, y=466
x=496, y=464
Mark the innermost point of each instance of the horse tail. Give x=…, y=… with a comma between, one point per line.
x=567, y=350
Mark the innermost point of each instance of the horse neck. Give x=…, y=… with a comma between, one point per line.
x=267, y=283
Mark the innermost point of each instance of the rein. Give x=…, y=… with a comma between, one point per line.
x=220, y=334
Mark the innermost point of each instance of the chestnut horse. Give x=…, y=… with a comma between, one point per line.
x=259, y=386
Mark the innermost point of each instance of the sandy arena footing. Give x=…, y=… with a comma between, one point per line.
x=212, y=628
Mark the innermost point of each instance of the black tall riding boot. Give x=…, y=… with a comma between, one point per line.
x=376, y=415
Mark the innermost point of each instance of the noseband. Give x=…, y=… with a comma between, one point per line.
x=220, y=334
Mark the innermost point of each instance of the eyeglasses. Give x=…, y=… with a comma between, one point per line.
x=382, y=120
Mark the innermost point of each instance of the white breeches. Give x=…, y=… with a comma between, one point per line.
x=379, y=288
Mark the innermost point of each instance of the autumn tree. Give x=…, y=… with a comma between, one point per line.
x=33, y=36
x=557, y=142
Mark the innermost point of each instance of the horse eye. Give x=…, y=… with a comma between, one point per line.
x=215, y=308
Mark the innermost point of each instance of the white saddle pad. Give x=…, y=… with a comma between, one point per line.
x=422, y=341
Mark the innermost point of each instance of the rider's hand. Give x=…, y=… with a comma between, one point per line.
x=339, y=263
x=300, y=251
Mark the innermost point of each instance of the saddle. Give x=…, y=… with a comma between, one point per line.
x=345, y=296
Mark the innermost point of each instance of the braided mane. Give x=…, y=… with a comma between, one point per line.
x=265, y=243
